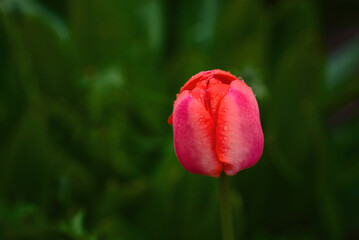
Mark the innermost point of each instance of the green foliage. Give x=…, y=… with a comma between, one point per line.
x=86, y=88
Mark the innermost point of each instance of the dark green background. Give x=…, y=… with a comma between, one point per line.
x=86, y=88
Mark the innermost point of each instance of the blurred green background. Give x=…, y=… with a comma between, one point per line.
x=86, y=88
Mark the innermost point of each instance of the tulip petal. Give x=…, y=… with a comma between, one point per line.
x=201, y=79
x=239, y=136
x=216, y=91
x=221, y=75
x=194, y=136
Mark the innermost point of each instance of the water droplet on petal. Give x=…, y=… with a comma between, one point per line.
x=225, y=128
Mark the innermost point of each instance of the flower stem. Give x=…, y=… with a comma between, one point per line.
x=226, y=216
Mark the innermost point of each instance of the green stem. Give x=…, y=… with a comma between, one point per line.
x=226, y=216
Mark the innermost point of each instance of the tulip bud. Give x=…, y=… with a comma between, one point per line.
x=216, y=125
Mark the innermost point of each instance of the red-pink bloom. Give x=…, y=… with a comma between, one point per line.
x=216, y=125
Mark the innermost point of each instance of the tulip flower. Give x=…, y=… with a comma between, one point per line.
x=216, y=125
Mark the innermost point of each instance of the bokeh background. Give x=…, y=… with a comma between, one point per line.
x=86, y=88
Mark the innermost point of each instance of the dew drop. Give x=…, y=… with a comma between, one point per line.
x=225, y=128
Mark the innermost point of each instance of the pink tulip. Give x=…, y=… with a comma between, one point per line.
x=216, y=125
